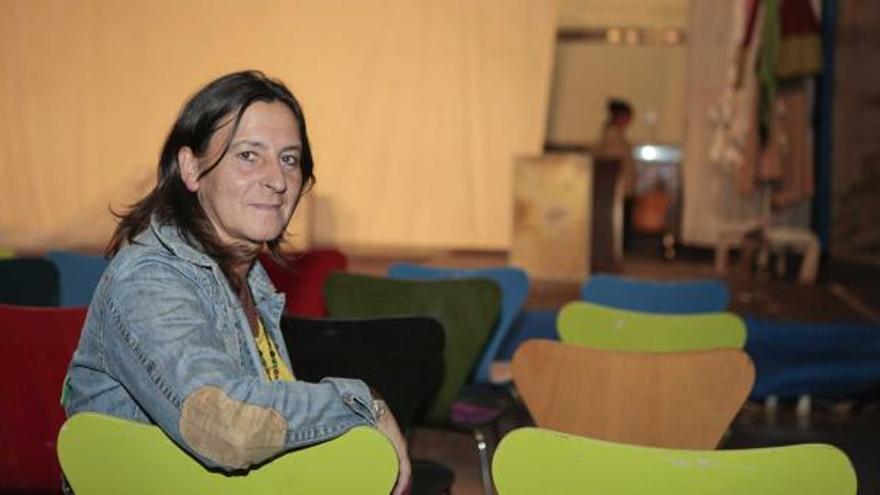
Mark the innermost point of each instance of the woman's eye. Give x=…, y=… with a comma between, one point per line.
x=290, y=160
x=247, y=156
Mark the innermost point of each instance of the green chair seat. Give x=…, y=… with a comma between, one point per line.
x=533, y=460
x=603, y=327
x=102, y=454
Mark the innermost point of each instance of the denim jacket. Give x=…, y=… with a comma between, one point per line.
x=166, y=341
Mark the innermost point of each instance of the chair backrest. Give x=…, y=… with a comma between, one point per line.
x=533, y=460
x=603, y=327
x=467, y=309
x=37, y=345
x=79, y=275
x=107, y=455
x=6, y=253
x=673, y=399
x=302, y=280
x=514, y=284
x=402, y=357
x=657, y=296
x=28, y=282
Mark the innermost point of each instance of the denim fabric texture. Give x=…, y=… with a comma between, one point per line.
x=165, y=323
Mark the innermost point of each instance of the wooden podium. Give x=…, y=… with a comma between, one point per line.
x=552, y=219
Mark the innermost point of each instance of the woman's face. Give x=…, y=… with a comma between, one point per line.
x=251, y=194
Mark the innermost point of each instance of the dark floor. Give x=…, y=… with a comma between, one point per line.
x=843, y=293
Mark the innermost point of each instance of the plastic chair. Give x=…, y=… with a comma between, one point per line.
x=28, y=282
x=107, y=455
x=673, y=399
x=6, y=253
x=467, y=309
x=37, y=345
x=402, y=358
x=533, y=460
x=302, y=280
x=79, y=276
x=514, y=285
x=656, y=296
x=602, y=327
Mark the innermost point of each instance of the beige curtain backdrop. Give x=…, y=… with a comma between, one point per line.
x=415, y=108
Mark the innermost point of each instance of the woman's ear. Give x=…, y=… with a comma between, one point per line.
x=188, y=164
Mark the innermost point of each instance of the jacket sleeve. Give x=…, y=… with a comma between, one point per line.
x=159, y=341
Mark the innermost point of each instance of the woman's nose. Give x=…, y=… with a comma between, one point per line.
x=274, y=178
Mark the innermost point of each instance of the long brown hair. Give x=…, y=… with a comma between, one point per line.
x=170, y=200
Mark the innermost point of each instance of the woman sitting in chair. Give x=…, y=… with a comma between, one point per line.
x=183, y=330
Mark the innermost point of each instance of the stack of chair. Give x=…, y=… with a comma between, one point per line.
x=637, y=401
x=800, y=360
x=514, y=285
x=661, y=379
x=467, y=308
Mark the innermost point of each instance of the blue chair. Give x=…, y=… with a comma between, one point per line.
x=79, y=275
x=531, y=324
x=793, y=359
x=656, y=296
x=514, y=284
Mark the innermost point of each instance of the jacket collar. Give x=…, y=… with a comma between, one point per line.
x=169, y=236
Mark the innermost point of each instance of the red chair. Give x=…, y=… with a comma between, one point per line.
x=303, y=279
x=37, y=344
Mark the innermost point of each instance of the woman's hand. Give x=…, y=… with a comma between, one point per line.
x=387, y=424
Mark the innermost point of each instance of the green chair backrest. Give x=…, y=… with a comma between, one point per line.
x=467, y=309
x=6, y=253
x=603, y=327
x=532, y=460
x=101, y=454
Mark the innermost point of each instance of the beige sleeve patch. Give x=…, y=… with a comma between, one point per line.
x=230, y=432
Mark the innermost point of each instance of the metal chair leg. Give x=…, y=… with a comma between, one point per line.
x=483, y=449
